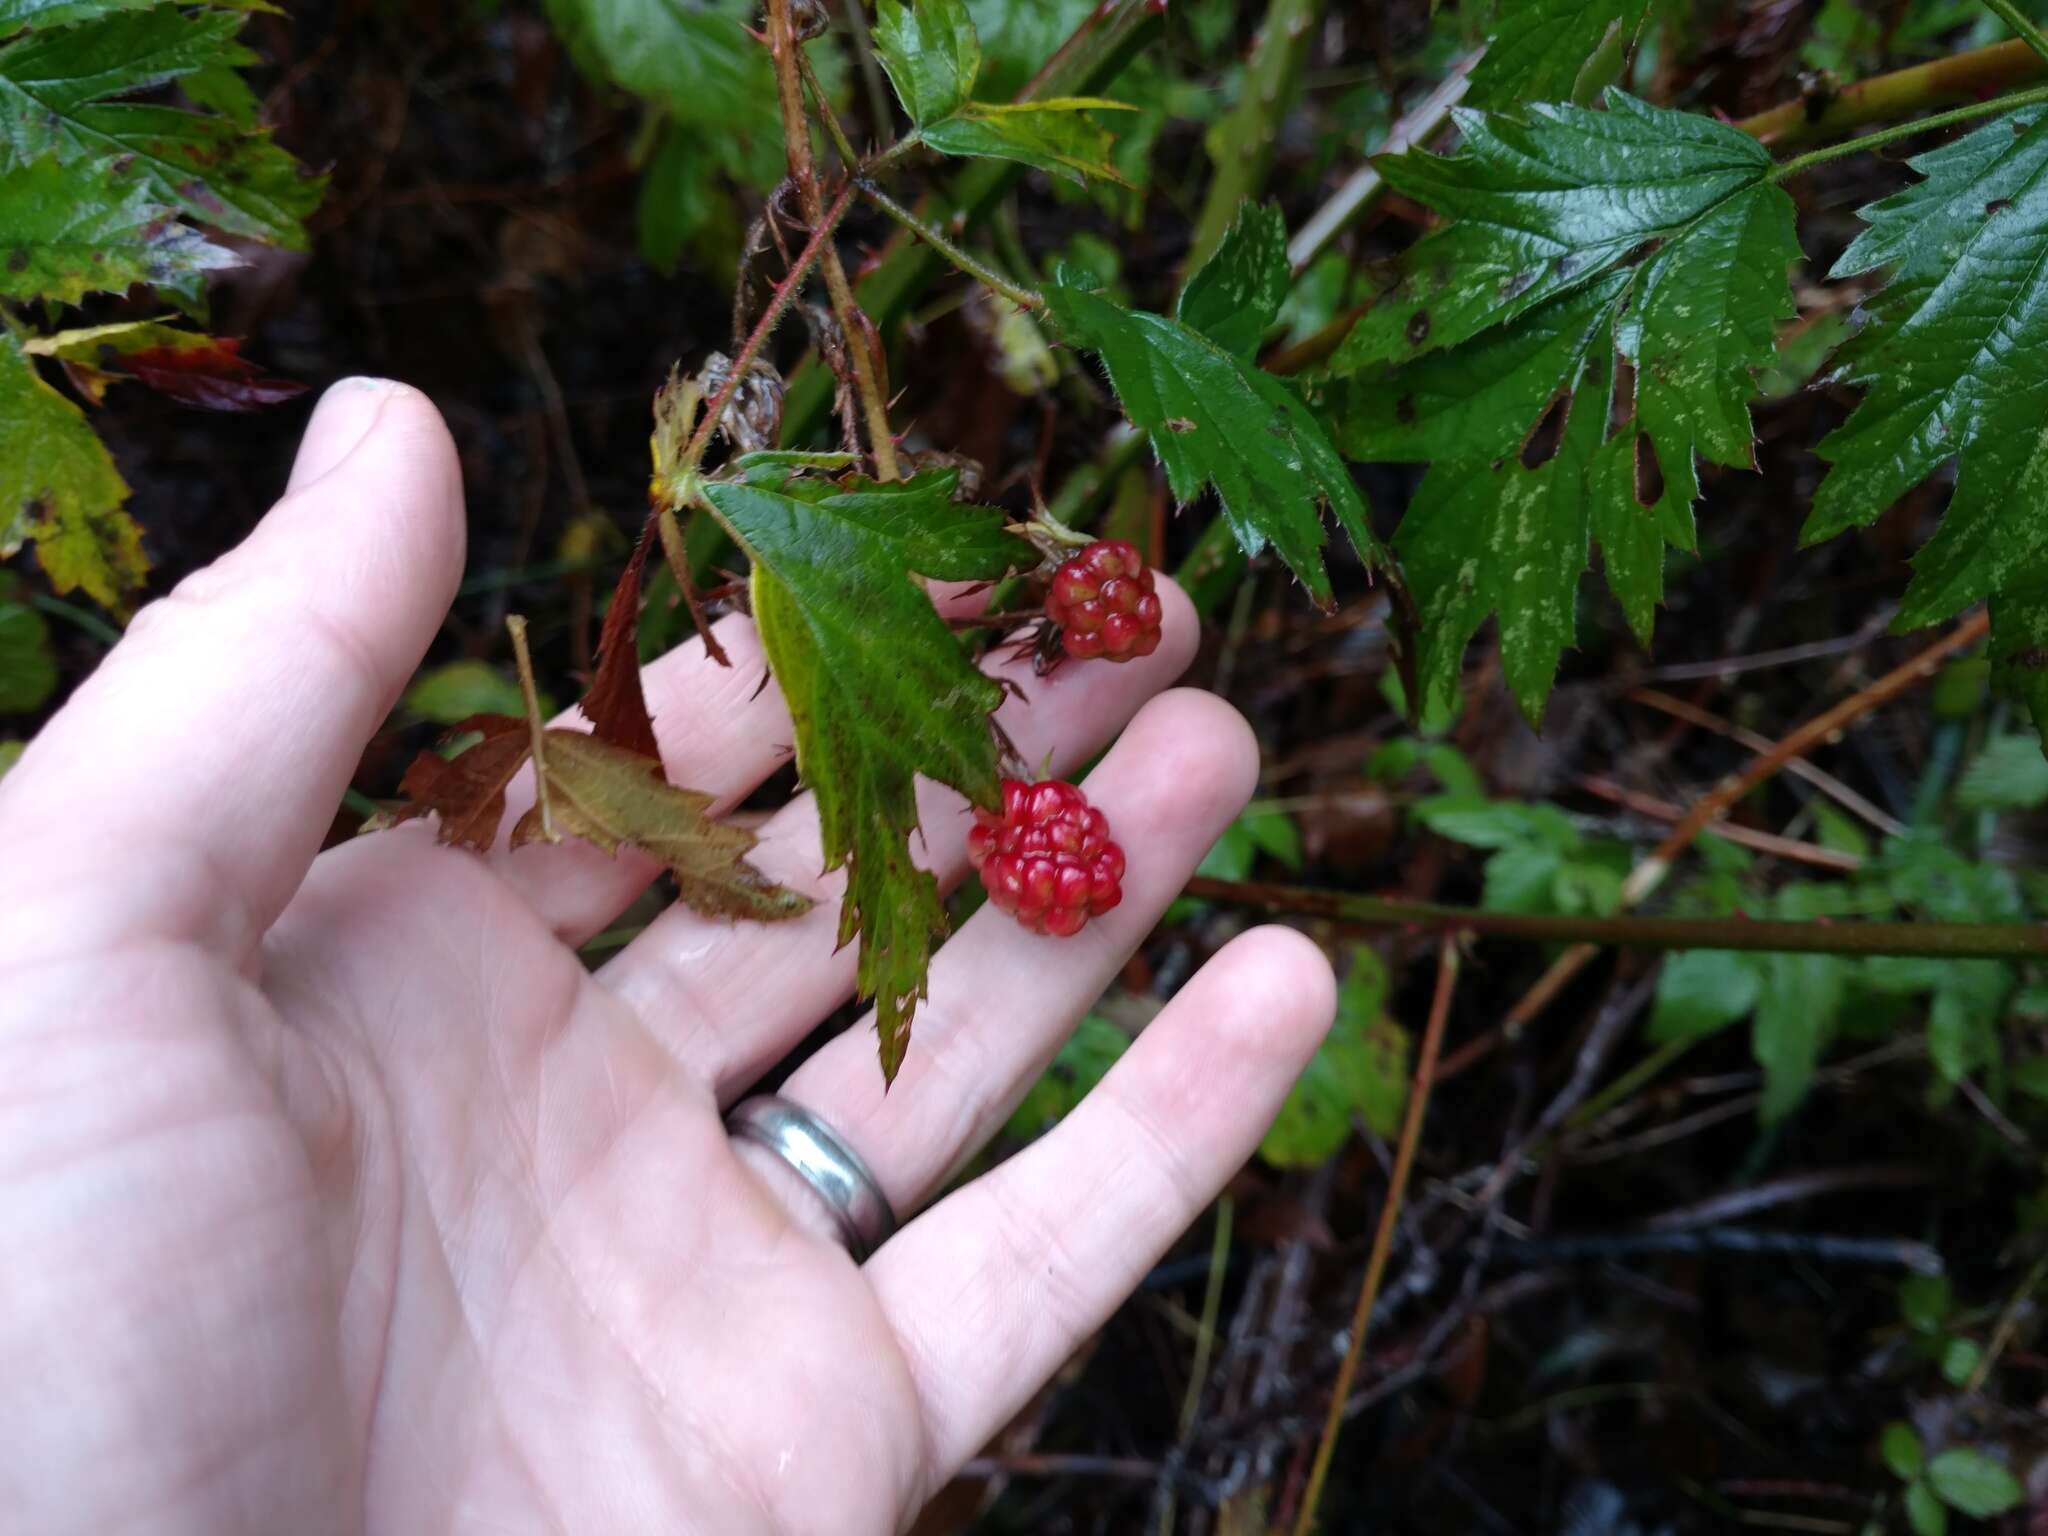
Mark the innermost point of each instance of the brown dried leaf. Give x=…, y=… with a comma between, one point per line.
x=467, y=791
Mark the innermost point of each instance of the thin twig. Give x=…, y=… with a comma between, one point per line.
x=784, y=49
x=1383, y=1236
x=1819, y=778
x=1768, y=843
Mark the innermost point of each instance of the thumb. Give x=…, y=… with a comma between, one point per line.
x=339, y=424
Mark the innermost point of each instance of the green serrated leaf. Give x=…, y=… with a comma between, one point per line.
x=1214, y=419
x=58, y=93
x=66, y=231
x=878, y=688
x=931, y=53
x=58, y=486
x=1974, y=1484
x=45, y=14
x=1360, y=1071
x=1235, y=298
x=1951, y=357
x=10, y=754
x=1522, y=307
x=1543, y=203
x=1496, y=538
x=1538, y=48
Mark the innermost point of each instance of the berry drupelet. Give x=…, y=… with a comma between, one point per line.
x=1046, y=859
x=1105, y=603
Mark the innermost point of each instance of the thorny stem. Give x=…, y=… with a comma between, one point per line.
x=973, y=266
x=778, y=301
x=787, y=53
x=2022, y=28
x=1383, y=1235
x=1884, y=136
x=1941, y=941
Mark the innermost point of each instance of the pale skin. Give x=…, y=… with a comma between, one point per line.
x=337, y=1195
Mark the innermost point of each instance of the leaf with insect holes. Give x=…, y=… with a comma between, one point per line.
x=58, y=486
x=66, y=231
x=1543, y=50
x=1215, y=418
x=879, y=689
x=60, y=93
x=1951, y=354
x=932, y=55
x=1562, y=385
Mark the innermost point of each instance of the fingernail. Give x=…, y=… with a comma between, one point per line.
x=339, y=424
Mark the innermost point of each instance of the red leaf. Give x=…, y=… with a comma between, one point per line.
x=214, y=376
x=614, y=704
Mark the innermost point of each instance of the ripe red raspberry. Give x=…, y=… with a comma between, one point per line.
x=1104, y=603
x=1047, y=859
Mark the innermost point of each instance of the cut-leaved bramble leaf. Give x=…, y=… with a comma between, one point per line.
x=1046, y=859
x=1105, y=603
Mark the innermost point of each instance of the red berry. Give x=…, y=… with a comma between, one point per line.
x=1046, y=858
x=1105, y=604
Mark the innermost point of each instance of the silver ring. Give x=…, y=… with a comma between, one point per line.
x=824, y=1162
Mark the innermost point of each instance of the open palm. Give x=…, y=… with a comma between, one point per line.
x=336, y=1195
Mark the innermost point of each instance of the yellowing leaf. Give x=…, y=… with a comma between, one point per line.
x=611, y=797
x=58, y=486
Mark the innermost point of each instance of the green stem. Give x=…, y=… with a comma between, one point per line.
x=973, y=266
x=2022, y=28
x=841, y=146
x=1942, y=941
x=1244, y=139
x=1884, y=136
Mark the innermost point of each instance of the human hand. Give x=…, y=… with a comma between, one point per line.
x=337, y=1195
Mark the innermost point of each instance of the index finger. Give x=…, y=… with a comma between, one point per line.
x=184, y=789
